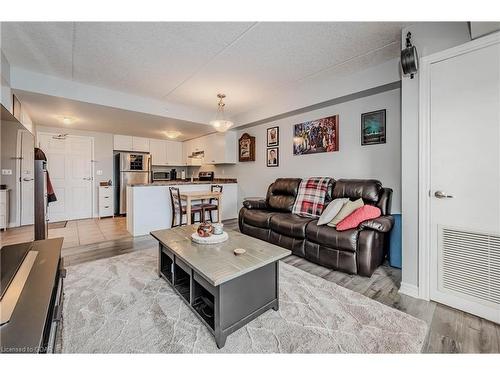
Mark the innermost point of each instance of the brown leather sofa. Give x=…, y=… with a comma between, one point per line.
x=358, y=251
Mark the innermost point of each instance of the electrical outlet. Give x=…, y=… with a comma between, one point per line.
x=6, y=172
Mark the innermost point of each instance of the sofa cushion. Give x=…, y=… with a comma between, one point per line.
x=332, y=238
x=258, y=218
x=369, y=190
x=310, y=200
x=366, y=212
x=345, y=211
x=332, y=210
x=289, y=224
x=282, y=193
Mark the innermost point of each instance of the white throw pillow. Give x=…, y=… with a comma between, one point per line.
x=332, y=210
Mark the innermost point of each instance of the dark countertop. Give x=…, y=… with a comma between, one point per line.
x=188, y=182
x=23, y=333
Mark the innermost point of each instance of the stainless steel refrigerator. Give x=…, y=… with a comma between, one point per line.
x=130, y=168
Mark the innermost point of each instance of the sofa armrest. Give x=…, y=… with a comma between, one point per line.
x=255, y=205
x=381, y=224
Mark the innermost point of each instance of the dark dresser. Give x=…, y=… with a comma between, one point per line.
x=35, y=318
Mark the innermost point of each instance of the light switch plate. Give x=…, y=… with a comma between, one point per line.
x=6, y=172
x=99, y=172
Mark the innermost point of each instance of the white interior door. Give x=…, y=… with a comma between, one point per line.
x=69, y=163
x=465, y=181
x=27, y=178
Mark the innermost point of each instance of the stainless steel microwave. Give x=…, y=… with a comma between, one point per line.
x=161, y=176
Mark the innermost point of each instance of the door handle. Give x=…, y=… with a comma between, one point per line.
x=28, y=179
x=441, y=195
x=87, y=178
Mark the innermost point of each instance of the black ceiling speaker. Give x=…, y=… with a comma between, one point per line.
x=409, y=58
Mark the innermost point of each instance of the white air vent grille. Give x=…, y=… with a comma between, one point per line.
x=470, y=264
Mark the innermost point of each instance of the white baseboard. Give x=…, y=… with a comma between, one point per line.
x=409, y=290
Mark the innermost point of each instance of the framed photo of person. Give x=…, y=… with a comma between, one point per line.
x=273, y=157
x=273, y=136
x=373, y=128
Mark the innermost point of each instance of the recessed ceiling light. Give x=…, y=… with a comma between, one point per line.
x=172, y=134
x=67, y=120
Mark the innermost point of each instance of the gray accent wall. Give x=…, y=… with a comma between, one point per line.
x=382, y=161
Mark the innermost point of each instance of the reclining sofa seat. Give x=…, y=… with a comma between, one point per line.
x=359, y=251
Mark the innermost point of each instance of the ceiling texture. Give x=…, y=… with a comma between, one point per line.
x=189, y=63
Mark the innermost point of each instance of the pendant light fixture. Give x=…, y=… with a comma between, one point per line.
x=220, y=123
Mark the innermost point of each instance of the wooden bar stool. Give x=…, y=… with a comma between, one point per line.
x=178, y=209
x=213, y=204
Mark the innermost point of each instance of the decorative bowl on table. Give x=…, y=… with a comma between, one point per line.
x=204, y=235
x=205, y=229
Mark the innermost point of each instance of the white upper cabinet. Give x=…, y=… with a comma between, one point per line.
x=166, y=152
x=158, y=149
x=122, y=142
x=218, y=148
x=128, y=143
x=174, y=153
x=140, y=144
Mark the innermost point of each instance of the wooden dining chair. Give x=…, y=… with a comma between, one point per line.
x=178, y=209
x=213, y=204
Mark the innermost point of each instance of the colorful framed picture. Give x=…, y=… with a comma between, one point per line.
x=273, y=136
x=316, y=136
x=373, y=128
x=273, y=157
x=246, y=148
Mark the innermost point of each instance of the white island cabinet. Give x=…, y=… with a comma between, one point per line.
x=149, y=206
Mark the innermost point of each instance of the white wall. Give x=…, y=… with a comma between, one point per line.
x=429, y=37
x=103, y=154
x=382, y=161
x=6, y=93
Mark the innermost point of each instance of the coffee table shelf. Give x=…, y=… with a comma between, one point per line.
x=223, y=290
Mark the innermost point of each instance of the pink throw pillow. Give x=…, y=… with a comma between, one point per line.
x=366, y=212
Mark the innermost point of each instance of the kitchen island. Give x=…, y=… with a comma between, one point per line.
x=149, y=206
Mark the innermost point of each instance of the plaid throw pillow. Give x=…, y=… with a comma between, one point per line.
x=310, y=200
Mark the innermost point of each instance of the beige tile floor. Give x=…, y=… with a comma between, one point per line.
x=76, y=232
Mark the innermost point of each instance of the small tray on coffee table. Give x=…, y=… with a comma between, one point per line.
x=212, y=239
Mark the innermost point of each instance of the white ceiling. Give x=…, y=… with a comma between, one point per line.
x=105, y=119
x=189, y=63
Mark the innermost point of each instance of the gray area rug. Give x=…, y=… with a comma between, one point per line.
x=119, y=305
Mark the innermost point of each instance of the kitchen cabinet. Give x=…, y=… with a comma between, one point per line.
x=128, y=143
x=219, y=148
x=122, y=143
x=174, y=153
x=158, y=150
x=140, y=144
x=166, y=152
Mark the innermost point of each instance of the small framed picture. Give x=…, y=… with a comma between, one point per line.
x=273, y=136
x=273, y=157
x=373, y=128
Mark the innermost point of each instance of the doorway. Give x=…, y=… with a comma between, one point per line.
x=459, y=241
x=69, y=163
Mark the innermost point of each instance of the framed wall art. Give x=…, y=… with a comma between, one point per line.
x=246, y=148
x=316, y=136
x=273, y=136
x=273, y=157
x=373, y=128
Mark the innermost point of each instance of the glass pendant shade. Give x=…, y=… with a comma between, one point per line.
x=220, y=123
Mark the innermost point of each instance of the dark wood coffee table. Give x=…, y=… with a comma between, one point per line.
x=224, y=290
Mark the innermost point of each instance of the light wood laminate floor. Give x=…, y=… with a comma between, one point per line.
x=450, y=330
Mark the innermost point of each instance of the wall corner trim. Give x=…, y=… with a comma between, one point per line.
x=409, y=290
